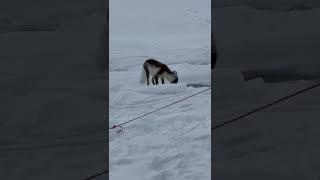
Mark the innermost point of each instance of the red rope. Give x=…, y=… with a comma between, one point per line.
x=120, y=125
x=115, y=126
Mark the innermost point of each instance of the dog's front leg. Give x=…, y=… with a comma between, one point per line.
x=156, y=78
x=147, y=72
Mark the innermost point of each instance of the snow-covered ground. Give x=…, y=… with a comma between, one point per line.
x=156, y=147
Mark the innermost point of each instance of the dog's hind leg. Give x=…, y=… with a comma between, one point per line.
x=162, y=80
x=157, y=78
x=153, y=80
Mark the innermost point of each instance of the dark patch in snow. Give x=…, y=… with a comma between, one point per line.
x=198, y=85
x=278, y=75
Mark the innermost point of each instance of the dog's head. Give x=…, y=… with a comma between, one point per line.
x=176, y=77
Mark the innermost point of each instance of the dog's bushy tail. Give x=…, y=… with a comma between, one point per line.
x=143, y=76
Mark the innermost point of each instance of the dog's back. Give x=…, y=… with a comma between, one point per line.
x=153, y=62
x=156, y=65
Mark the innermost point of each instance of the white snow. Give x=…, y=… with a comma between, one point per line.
x=156, y=147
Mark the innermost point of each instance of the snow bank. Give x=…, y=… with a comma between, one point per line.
x=193, y=74
x=164, y=89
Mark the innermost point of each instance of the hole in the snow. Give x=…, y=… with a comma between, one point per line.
x=198, y=85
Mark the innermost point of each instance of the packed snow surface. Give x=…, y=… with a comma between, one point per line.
x=160, y=146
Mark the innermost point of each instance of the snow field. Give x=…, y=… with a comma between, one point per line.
x=177, y=33
x=152, y=145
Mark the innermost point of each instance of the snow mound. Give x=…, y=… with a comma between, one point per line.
x=164, y=89
x=194, y=74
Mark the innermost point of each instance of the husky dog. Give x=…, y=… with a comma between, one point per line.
x=157, y=70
